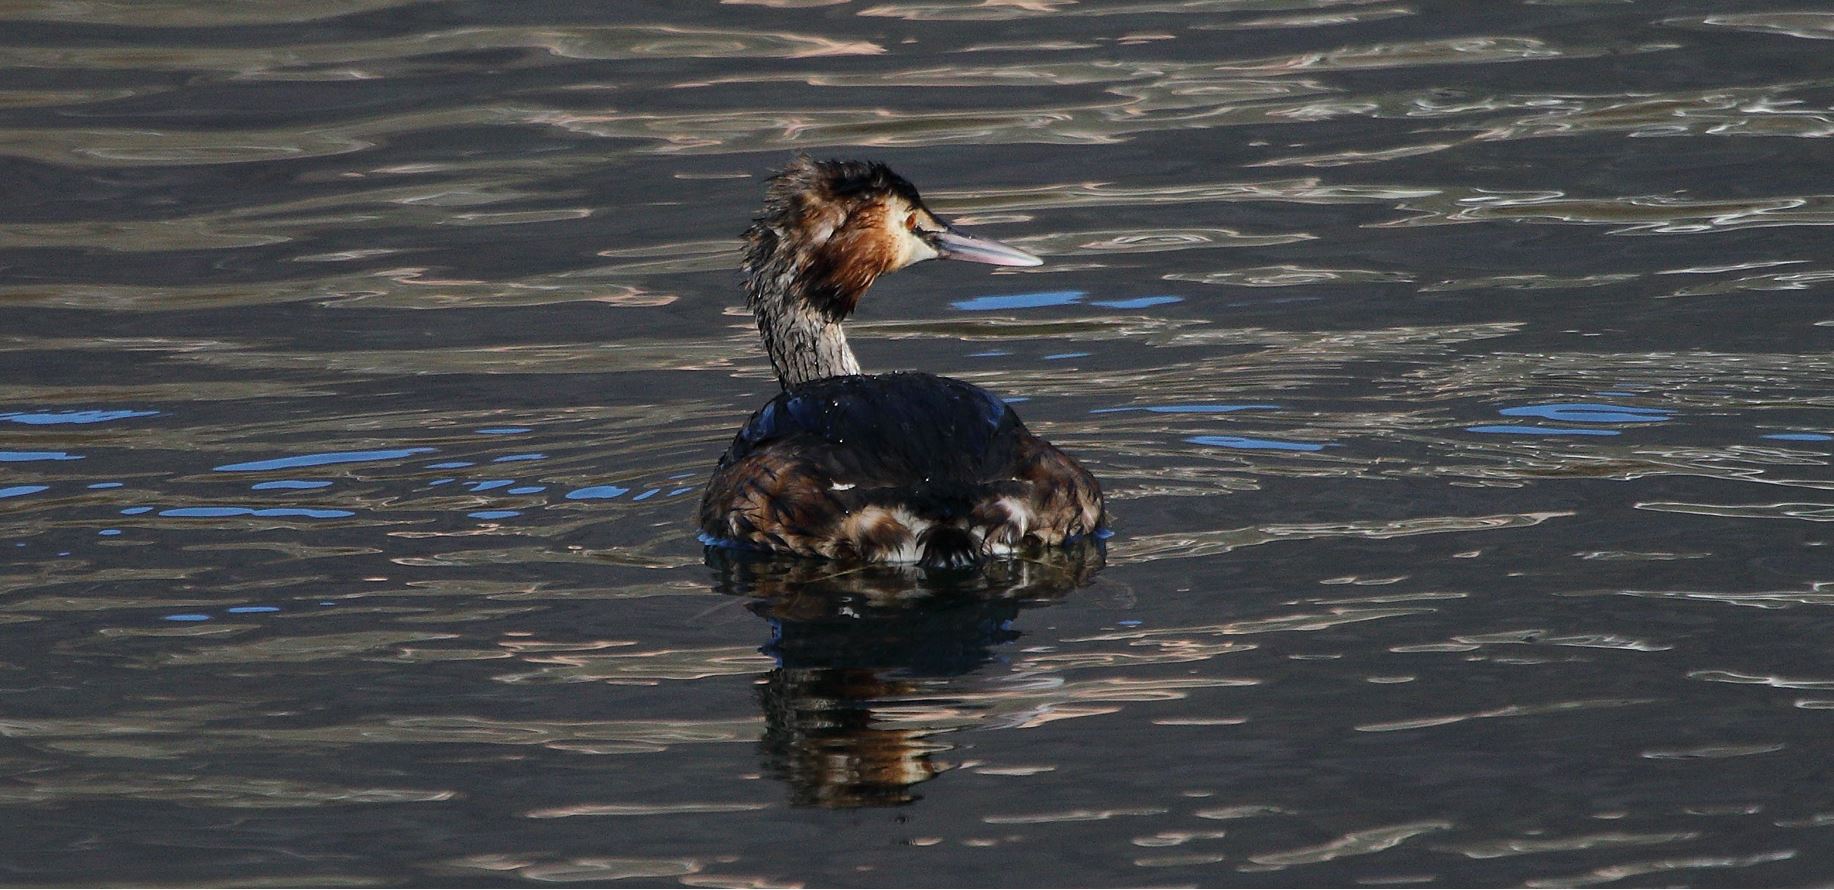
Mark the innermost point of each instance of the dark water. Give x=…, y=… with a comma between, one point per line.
x=1460, y=374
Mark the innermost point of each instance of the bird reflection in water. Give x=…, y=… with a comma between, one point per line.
x=864, y=650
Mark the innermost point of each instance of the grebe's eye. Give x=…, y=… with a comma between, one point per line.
x=910, y=222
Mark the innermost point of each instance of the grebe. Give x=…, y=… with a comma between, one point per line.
x=903, y=467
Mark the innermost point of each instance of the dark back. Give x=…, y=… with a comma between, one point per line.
x=890, y=430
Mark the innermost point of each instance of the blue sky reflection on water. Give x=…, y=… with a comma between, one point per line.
x=50, y=418
x=265, y=512
x=1021, y=301
x=25, y=456
x=319, y=460
x=1251, y=443
x=1585, y=412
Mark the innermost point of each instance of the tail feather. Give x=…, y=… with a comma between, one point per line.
x=948, y=547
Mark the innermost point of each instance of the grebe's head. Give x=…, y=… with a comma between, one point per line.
x=836, y=226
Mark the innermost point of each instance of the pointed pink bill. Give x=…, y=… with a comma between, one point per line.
x=953, y=244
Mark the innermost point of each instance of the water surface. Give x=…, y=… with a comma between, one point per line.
x=1459, y=375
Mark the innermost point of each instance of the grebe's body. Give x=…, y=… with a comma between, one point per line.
x=902, y=467
x=896, y=468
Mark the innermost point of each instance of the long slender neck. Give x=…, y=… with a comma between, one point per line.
x=804, y=341
x=803, y=344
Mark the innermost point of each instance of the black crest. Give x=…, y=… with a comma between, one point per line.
x=834, y=180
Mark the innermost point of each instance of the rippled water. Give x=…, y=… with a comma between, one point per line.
x=1460, y=375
